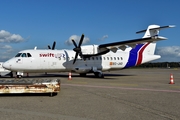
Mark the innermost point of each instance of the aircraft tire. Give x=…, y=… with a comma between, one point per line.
x=99, y=75
x=19, y=76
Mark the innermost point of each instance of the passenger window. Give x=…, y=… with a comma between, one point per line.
x=121, y=58
x=100, y=58
x=29, y=55
x=118, y=58
x=111, y=58
x=107, y=58
x=92, y=58
x=96, y=58
x=114, y=58
x=104, y=58
x=89, y=58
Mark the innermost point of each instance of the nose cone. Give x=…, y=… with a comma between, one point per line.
x=7, y=65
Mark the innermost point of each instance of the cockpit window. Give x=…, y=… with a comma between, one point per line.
x=18, y=55
x=29, y=55
x=23, y=55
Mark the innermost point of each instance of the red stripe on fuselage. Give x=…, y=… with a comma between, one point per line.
x=140, y=54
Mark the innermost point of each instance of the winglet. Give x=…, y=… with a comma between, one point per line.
x=153, y=30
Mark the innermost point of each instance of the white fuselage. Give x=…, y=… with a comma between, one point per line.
x=62, y=61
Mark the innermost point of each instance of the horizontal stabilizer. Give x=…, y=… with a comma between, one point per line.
x=169, y=26
x=153, y=30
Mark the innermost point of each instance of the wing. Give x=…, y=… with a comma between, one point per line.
x=131, y=43
x=151, y=35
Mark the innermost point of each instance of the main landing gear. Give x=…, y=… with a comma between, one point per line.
x=99, y=74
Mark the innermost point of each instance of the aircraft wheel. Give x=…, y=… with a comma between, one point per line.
x=99, y=75
x=19, y=76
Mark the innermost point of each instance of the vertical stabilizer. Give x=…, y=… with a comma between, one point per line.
x=151, y=32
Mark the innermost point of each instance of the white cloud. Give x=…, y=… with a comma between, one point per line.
x=169, y=50
x=169, y=53
x=76, y=39
x=104, y=37
x=5, y=47
x=4, y=58
x=6, y=52
x=6, y=36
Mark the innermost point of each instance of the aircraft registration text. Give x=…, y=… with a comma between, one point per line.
x=115, y=63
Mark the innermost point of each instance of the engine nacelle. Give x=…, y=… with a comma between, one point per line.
x=89, y=49
x=93, y=50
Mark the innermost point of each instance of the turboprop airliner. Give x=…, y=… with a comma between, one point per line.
x=89, y=58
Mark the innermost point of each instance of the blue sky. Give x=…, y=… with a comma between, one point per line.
x=25, y=24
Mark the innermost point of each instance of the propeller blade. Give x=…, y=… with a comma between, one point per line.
x=49, y=47
x=81, y=40
x=54, y=44
x=75, y=57
x=74, y=43
x=77, y=49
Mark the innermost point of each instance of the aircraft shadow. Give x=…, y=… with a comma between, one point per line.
x=56, y=75
x=106, y=76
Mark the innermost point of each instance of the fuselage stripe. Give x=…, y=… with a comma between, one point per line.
x=140, y=54
x=136, y=55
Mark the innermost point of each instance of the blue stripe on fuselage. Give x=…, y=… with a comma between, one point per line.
x=133, y=56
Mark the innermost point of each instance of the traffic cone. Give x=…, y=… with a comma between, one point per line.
x=171, y=79
x=70, y=78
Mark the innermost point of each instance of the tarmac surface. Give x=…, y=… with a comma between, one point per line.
x=130, y=94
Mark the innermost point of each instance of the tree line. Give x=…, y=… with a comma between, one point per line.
x=159, y=65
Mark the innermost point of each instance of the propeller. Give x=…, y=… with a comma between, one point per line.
x=77, y=49
x=53, y=46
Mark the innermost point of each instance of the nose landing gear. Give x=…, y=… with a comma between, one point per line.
x=19, y=74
